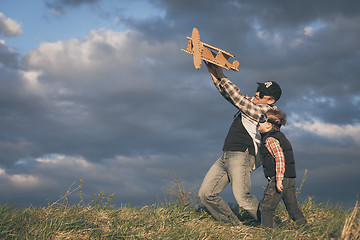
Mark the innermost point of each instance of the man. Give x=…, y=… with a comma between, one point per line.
x=239, y=150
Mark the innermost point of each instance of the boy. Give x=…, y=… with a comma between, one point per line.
x=279, y=168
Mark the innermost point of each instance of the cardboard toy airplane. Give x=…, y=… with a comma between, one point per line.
x=204, y=51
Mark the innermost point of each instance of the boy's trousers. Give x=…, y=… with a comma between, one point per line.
x=272, y=198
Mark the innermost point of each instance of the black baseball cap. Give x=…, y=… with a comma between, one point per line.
x=270, y=88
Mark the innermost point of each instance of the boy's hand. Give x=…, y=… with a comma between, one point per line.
x=279, y=186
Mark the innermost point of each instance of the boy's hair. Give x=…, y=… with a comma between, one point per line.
x=277, y=116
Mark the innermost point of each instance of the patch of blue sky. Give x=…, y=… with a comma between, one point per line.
x=317, y=25
x=313, y=27
x=256, y=25
x=40, y=25
x=27, y=15
x=44, y=29
x=356, y=100
x=141, y=9
x=329, y=101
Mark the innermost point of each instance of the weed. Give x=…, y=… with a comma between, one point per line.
x=180, y=195
x=177, y=219
x=298, y=190
x=101, y=199
x=351, y=228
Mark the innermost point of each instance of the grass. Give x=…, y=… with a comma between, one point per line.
x=178, y=218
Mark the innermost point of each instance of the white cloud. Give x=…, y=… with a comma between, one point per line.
x=296, y=42
x=113, y=171
x=116, y=55
x=272, y=39
x=56, y=161
x=9, y=27
x=309, y=31
x=331, y=131
x=98, y=49
x=21, y=145
x=52, y=173
x=32, y=83
x=48, y=177
x=277, y=39
x=24, y=180
x=20, y=181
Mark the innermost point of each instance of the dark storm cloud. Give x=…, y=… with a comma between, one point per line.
x=18, y=108
x=128, y=112
x=318, y=63
x=275, y=14
x=71, y=3
x=121, y=110
x=8, y=58
x=59, y=6
x=325, y=159
x=311, y=49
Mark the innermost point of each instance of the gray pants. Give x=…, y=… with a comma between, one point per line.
x=272, y=198
x=234, y=167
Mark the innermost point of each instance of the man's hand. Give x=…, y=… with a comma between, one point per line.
x=279, y=186
x=214, y=70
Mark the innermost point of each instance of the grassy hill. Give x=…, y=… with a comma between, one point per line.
x=178, y=218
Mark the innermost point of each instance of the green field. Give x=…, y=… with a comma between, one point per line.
x=180, y=217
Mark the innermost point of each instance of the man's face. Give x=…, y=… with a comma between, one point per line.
x=264, y=100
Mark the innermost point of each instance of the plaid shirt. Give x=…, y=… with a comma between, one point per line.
x=276, y=151
x=243, y=102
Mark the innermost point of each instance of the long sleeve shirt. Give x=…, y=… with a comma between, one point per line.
x=276, y=151
x=241, y=101
x=251, y=112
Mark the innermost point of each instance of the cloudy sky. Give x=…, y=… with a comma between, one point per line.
x=100, y=91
